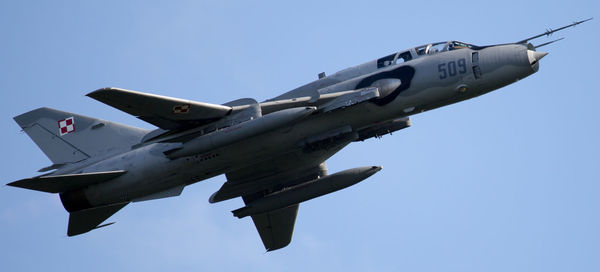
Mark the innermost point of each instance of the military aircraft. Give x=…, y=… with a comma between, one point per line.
x=272, y=153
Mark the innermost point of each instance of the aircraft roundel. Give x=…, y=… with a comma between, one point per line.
x=66, y=126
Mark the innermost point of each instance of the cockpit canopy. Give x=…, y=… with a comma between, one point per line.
x=419, y=51
x=434, y=48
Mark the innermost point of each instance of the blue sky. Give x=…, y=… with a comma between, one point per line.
x=505, y=182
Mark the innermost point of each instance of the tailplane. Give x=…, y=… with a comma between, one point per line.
x=65, y=183
x=68, y=138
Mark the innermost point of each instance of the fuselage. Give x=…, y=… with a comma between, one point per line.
x=410, y=82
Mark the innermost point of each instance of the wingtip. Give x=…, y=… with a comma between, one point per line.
x=212, y=198
x=99, y=92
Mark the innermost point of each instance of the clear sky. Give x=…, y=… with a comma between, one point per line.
x=509, y=181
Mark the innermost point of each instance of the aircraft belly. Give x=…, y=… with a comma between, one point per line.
x=150, y=172
x=284, y=141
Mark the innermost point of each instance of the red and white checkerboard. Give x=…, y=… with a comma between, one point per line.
x=66, y=126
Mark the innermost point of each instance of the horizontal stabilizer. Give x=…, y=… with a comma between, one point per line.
x=65, y=183
x=164, y=112
x=85, y=220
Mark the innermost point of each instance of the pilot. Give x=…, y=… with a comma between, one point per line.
x=456, y=45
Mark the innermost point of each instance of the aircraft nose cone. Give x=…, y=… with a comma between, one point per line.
x=534, y=56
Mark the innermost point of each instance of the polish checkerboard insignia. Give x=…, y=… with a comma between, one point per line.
x=181, y=109
x=66, y=126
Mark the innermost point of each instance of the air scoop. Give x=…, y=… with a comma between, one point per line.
x=534, y=56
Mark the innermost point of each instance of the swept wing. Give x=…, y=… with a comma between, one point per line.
x=165, y=112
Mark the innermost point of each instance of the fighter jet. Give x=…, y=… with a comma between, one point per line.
x=273, y=153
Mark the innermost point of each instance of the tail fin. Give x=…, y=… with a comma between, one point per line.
x=85, y=220
x=67, y=137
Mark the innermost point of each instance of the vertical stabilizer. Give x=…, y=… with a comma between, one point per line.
x=67, y=137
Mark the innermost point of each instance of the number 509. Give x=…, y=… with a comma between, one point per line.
x=450, y=69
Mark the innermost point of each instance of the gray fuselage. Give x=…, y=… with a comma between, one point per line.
x=426, y=81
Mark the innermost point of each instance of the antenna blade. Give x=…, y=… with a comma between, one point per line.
x=550, y=31
x=544, y=44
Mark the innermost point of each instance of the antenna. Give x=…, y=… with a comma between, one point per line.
x=544, y=44
x=550, y=31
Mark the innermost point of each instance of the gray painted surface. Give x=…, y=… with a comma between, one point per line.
x=264, y=149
